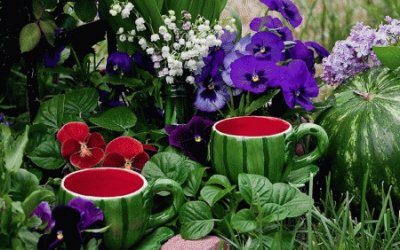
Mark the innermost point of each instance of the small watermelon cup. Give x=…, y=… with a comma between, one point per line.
x=261, y=145
x=126, y=199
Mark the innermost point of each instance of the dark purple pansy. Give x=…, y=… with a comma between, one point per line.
x=253, y=75
x=298, y=85
x=272, y=24
x=119, y=63
x=302, y=52
x=144, y=62
x=288, y=10
x=43, y=211
x=267, y=46
x=52, y=56
x=192, y=138
x=110, y=99
x=319, y=50
x=89, y=213
x=214, y=64
x=211, y=96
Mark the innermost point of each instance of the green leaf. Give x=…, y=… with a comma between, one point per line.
x=273, y=212
x=48, y=155
x=23, y=183
x=96, y=230
x=196, y=220
x=28, y=238
x=155, y=239
x=255, y=189
x=244, y=221
x=220, y=180
x=48, y=27
x=5, y=138
x=38, y=8
x=150, y=12
x=14, y=154
x=212, y=194
x=34, y=222
x=51, y=112
x=115, y=119
x=302, y=175
x=81, y=101
x=389, y=56
x=86, y=10
x=38, y=134
x=260, y=102
x=167, y=165
x=193, y=182
x=29, y=37
x=33, y=200
x=290, y=198
x=50, y=4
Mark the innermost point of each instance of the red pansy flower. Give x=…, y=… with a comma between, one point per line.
x=82, y=148
x=125, y=152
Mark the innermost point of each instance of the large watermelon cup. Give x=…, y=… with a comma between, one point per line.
x=125, y=198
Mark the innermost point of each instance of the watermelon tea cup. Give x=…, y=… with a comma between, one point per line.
x=261, y=145
x=125, y=198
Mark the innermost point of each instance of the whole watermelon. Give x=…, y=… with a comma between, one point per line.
x=364, y=134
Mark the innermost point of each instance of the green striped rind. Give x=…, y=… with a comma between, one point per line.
x=232, y=155
x=125, y=215
x=365, y=135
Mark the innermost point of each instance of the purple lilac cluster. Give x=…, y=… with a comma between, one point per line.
x=354, y=55
x=271, y=58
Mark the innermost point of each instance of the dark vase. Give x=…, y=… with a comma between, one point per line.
x=178, y=103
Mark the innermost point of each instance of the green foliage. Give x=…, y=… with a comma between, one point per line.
x=116, y=119
x=85, y=9
x=155, y=239
x=389, y=56
x=29, y=37
x=196, y=220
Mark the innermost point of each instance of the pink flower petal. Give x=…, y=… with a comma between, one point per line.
x=70, y=147
x=78, y=131
x=96, y=140
x=114, y=160
x=125, y=146
x=87, y=161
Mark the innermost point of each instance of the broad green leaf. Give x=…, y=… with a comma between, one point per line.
x=196, y=220
x=38, y=8
x=50, y=4
x=23, y=183
x=48, y=28
x=220, y=180
x=212, y=194
x=155, y=239
x=255, y=189
x=193, y=182
x=260, y=102
x=290, y=198
x=5, y=214
x=14, y=154
x=93, y=244
x=48, y=155
x=81, y=101
x=66, y=21
x=34, y=222
x=244, y=221
x=33, y=200
x=86, y=10
x=51, y=112
x=29, y=37
x=115, y=119
x=273, y=212
x=389, y=56
x=167, y=165
x=29, y=239
x=38, y=134
x=5, y=138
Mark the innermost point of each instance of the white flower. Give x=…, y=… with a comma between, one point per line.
x=218, y=42
x=190, y=79
x=156, y=58
x=169, y=79
x=176, y=46
x=120, y=30
x=162, y=30
x=139, y=21
x=217, y=28
x=182, y=41
x=172, y=26
x=125, y=13
x=187, y=16
x=207, y=22
x=172, y=72
x=117, y=8
x=179, y=72
x=157, y=65
x=167, y=21
x=173, y=18
x=130, y=38
x=132, y=32
x=150, y=51
x=113, y=12
x=129, y=6
x=122, y=38
x=186, y=26
x=154, y=38
x=167, y=37
x=191, y=65
x=203, y=28
x=189, y=44
x=141, y=28
x=171, y=12
x=143, y=43
x=163, y=72
x=165, y=49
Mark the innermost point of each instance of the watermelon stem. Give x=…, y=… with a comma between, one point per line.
x=366, y=96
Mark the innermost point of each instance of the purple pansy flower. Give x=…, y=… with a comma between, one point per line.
x=302, y=52
x=52, y=56
x=211, y=96
x=298, y=85
x=192, y=138
x=228, y=41
x=267, y=45
x=43, y=211
x=321, y=51
x=119, y=63
x=214, y=64
x=272, y=24
x=287, y=9
x=249, y=73
x=90, y=214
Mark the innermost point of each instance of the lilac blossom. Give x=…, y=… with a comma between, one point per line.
x=267, y=46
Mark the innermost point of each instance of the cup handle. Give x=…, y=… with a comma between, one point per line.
x=322, y=144
x=175, y=189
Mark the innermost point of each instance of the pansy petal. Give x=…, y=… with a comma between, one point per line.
x=114, y=160
x=321, y=51
x=83, y=162
x=150, y=149
x=290, y=97
x=290, y=12
x=89, y=213
x=272, y=4
x=96, y=140
x=78, y=131
x=179, y=135
x=305, y=103
x=140, y=160
x=125, y=146
x=70, y=147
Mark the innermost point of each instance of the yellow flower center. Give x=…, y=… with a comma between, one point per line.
x=60, y=235
x=197, y=138
x=211, y=86
x=128, y=164
x=85, y=151
x=263, y=50
x=255, y=78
